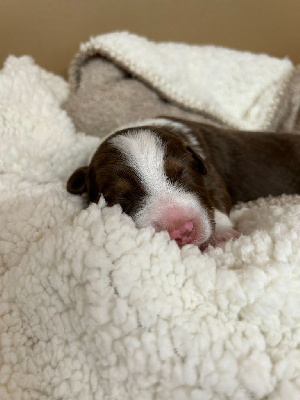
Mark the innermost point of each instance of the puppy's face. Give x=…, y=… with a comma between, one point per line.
x=156, y=177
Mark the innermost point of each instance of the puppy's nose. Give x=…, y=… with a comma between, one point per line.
x=183, y=233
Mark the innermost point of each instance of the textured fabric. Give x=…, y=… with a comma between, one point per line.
x=119, y=77
x=93, y=308
x=108, y=98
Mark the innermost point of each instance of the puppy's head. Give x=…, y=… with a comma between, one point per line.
x=156, y=177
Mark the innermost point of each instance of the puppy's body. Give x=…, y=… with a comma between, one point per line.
x=184, y=177
x=252, y=164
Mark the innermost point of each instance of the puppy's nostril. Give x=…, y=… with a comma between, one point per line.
x=184, y=233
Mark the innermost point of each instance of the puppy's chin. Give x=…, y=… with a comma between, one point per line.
x=220, y=236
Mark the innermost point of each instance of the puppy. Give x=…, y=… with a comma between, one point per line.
x=184, y=177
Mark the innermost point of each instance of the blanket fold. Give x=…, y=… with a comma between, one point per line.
x=119, y=77
x=91, y=308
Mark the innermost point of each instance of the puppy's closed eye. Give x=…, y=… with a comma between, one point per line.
x=111, y=200
x=119, y=193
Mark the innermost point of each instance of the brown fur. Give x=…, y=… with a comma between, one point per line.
x=252, y=164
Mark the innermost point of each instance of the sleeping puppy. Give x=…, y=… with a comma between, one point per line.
x=184, y=177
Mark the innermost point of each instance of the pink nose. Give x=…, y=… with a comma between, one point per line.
x=184, y=233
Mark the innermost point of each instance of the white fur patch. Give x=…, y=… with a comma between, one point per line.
x=160, y=122
x=223, y=229
x=144, y=152
x=222, y=221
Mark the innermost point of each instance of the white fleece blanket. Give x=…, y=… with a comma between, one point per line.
x=241, y=89
x=92, y=308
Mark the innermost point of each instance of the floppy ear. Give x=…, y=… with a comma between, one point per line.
x=77, y=182
x=198, y=160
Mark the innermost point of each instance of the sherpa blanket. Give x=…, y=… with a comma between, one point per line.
x=93, y=308
x=119, y=77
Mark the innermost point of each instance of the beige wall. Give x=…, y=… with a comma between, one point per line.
x=51, y=30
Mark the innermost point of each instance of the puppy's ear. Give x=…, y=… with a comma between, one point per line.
x=198, y=160
x=77, y=182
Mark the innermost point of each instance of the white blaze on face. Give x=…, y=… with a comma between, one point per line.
x=144, y=153
x=159, y=122
x=165, y=203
